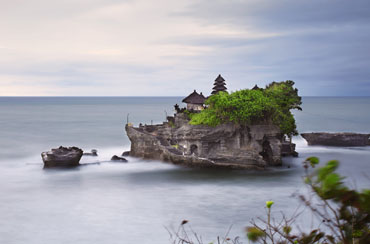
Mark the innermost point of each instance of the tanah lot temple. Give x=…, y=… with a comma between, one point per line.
x=227, y=145
x=195, y=101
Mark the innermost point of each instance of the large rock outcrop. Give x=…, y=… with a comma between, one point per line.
x=337, y=139
x=62, y=157
x=227, y=145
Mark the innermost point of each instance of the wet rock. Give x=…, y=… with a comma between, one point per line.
x=62, y=157
x=227, y=145
x=93, y=152
x=337, y=139
x=288, y=149
x=118, y=159
x=125, y=154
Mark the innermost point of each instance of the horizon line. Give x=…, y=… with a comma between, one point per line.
x=102, y=96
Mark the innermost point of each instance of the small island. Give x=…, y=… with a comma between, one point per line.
x=247, y=129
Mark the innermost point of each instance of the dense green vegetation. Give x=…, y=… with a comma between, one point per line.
x=269, y=105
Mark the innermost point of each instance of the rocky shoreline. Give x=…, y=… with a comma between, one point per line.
x=69, y=157
x=337, y=139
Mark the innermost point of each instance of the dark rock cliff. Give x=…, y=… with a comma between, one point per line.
x=227, y=145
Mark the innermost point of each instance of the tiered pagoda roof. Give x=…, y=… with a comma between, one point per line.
x=256, y=87
x=219, y=85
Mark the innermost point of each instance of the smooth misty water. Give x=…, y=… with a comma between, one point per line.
x=134, y=202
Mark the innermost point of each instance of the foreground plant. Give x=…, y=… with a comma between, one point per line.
x=185, y=235
x=344, y=213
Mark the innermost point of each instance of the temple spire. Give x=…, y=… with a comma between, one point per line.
x=219, y=85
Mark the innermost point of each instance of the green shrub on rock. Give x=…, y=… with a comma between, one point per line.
x=247, y=107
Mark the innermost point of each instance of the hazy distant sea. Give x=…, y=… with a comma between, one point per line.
x=131, y=203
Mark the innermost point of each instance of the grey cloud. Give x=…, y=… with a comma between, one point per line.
x=284, y=14
x=323, y=45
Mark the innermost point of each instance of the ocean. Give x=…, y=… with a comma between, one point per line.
x=137, y=202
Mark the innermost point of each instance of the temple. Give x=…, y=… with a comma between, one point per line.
x=228, y=145
x=219, y=85
x=195, y=101
x=256, y=88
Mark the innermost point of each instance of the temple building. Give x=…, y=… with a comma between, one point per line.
x=256, y=88
x=195, y=101
x=219, y=85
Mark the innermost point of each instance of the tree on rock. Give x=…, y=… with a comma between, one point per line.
x=248, y=107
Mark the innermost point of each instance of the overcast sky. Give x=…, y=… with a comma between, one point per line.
x=171, y=47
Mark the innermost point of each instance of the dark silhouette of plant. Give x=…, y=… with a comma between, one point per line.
x=185, y=235
x=178, y=109
x=344, y=212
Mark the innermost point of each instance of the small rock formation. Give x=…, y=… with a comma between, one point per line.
x=62, y=157
x=93, y=152
x=227, y=145
x=120, y=159
x=337, y=139
x=288, y=149
x=125, y=154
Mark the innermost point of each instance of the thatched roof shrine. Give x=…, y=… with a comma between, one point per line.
x=194, y=98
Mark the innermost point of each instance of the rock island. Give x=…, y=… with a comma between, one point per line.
x=250, y=129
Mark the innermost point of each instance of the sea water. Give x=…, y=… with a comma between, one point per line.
x=137, y=202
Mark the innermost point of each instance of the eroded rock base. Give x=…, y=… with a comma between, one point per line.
x=228, y=145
